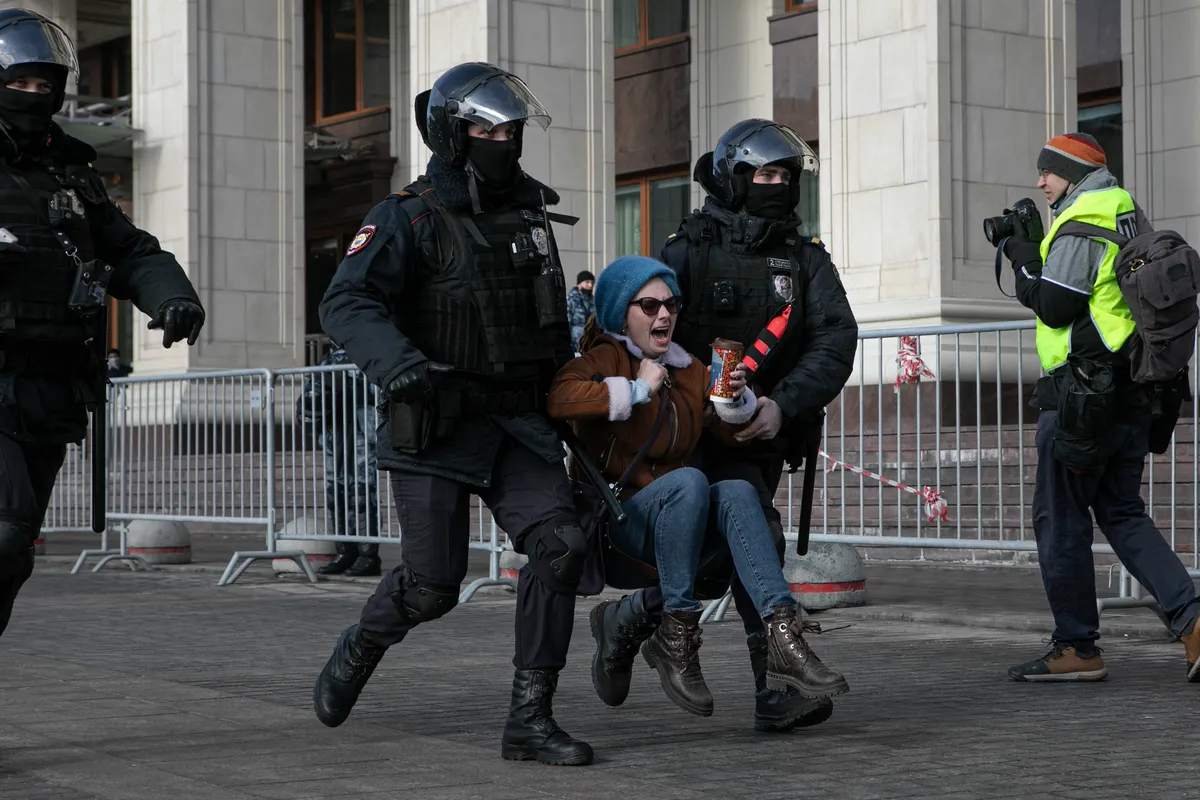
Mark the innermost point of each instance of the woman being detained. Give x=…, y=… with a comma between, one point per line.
x=628, y=366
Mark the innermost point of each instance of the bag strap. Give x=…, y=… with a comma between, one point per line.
x=664, y=397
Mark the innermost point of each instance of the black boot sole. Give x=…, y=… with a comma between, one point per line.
x=374, y=572
x=669, y=690
x=517, y=752
x=799, y=719
x=780, y=682
x=596, y=620
x=326, y=718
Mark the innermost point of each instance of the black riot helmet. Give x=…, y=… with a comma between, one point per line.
x=473, y=92
x=33, y=44
x=745, y=147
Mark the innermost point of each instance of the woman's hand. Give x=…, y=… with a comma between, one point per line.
x=652, y=374
x=737, y=381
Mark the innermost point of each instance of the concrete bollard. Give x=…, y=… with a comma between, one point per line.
x=511, y=563
x=318, y=552
x=39, y=545
x=159, y=542
x=830, y=576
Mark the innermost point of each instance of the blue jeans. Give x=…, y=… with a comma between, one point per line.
x=669, y=521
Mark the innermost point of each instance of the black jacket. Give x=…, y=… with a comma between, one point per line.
x=359, y=311
x=811, y=365
x=37, y=401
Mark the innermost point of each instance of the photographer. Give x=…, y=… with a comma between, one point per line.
x=1094, y=422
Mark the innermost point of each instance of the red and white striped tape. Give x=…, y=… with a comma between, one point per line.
x=910, y=367
x=936, y=507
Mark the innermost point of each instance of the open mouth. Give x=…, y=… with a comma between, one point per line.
x=661, y=335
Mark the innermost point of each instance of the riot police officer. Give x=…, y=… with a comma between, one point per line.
x=451, y=300
x=748, y=275
x=64, y=247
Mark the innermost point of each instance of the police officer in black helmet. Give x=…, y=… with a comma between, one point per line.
x=741, y=262
x=451, y=300
x=63, y=246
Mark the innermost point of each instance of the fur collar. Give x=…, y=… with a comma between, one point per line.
x=675, y=357
x=454, y=192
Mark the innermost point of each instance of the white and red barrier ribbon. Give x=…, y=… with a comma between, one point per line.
x=910, y=367
x=936, y=507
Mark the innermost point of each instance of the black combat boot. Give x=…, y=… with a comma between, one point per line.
x=531, y=732
x=776, y=711
x=367, y=564
x=347, y=554
x=674, y=650
x=619, y=628
x=790, y=660
x=344, y=676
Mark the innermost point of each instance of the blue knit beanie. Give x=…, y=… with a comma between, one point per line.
x=620, y=282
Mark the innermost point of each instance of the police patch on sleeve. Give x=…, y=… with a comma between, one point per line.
x=360, y=239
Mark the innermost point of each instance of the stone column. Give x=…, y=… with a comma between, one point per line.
x=1161, y=103
x=731, y=70
x=565, y=55
x=61, y=12
x=218, y=172
x=932, y=115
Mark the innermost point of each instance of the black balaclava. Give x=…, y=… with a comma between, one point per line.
x=495, y=161
x=769, y=201
x=26, y=116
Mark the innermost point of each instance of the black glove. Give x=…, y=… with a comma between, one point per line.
x=12, y=253
x=412, y=385
x=179, y=320
x=1023, y=253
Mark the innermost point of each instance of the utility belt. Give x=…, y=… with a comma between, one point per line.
x=415, y=426
x=45, y=358
x=1091, y=396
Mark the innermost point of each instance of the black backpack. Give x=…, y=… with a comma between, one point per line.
x=1159, y=277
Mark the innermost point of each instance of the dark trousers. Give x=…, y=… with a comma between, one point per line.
x=435, y=517
x=27, y=475
x=1063, y=504
x=764, y=474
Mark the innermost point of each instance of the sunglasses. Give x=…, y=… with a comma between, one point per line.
x=651, y=305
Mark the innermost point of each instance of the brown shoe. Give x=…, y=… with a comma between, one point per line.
x=792, y=663
x=1191, y=650
x=674, y=651
x=1062, y=663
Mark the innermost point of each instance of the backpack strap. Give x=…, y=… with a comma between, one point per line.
x=701, y=233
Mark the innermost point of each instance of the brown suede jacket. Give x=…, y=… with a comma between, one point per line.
x=594, y=393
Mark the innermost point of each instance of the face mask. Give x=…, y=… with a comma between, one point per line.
x=26, y=115
x=769, y=200
x=495, y=160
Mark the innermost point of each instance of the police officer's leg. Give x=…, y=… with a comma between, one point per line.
x=532, y=500
x=1062, y=525
x=335, y=505
x=1140, y=546
x=366, y=518
x=27, y=477
x=435, y=519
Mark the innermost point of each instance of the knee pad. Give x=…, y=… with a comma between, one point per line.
x=420, y=600
x=557, y=550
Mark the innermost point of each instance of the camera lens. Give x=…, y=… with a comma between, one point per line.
x=989, y=230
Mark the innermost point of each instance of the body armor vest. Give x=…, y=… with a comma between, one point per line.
x=34, y=202
x=731, y=295
x=477, y=308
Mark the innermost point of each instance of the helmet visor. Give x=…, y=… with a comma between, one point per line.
x=31, y=41
x=772, y=144
x=496, y=99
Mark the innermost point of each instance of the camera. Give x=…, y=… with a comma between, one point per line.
x=1024, y=215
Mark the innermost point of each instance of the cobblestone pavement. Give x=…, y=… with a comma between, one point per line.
x=161, y=685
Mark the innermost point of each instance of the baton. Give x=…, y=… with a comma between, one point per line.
x=593, y=473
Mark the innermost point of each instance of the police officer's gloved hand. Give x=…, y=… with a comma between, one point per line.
x=412, y=385
x=11, y=253
x=179, y=320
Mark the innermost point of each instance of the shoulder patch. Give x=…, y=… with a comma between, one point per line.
x=673, y=236
x=401, y=194
x=817, y=241
x=361, y=239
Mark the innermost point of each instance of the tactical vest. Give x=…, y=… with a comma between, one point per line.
x=1107, y=309
x=477, y=308
x=34, y=295
x=731, y=295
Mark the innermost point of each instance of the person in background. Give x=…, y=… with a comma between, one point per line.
x=117, y=369
x=581, y=304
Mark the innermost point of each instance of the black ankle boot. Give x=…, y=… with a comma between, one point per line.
x=674, y=650
x=619, y=628
x=347, y=554
x=344, y=676
x=792, y=662
x=776, y=711
x=366, y=566
x=531, y=732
